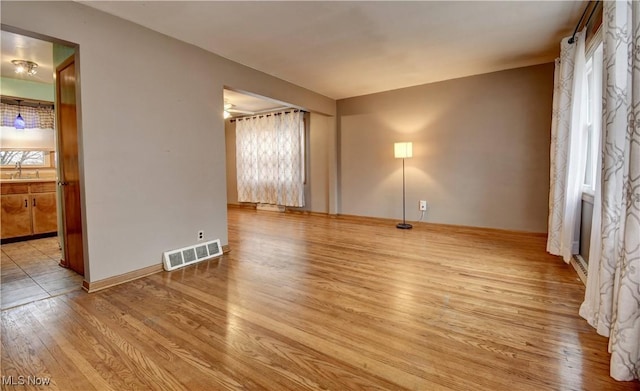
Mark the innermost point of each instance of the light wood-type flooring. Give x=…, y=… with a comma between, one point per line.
x=319, y=303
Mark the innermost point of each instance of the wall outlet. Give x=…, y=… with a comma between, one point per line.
x=422, y=205
x=200, y=235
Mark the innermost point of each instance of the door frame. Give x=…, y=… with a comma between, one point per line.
x=82, y=211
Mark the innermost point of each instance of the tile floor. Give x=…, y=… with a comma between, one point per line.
x=29, y=271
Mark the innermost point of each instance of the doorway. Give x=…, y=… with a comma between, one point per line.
x=31, y=263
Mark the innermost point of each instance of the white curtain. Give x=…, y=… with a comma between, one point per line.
x=270, y=159
x=567, y=151
x=612, y=300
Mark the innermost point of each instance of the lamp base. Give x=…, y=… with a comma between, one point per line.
x=404, y=226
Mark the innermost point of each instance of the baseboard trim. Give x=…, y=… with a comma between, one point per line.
x=99, y=285
x=287, y=209
x=436, y=226
x=30, y=237
x=242, y=206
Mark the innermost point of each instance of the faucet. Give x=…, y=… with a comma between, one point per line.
x=19, y=168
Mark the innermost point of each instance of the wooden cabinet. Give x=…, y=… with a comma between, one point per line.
x=16, y=215
x=28, y=209
x=43, y=213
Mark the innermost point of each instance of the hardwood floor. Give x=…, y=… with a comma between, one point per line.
x=310, y=302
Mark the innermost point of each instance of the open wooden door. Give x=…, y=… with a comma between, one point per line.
x=69, y=180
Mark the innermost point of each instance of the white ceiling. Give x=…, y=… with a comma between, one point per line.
x=20, y=47
x=252, y=104
x=344, y=49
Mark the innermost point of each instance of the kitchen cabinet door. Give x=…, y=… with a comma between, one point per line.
x=43, y=211
x=16, y=215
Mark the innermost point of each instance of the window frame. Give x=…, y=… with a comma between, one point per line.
x=593, y=123
x=48, y=157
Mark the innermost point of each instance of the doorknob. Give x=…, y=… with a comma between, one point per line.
x=63, y=183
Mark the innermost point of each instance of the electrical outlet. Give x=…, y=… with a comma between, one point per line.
x=200, y=235
x=423, y=205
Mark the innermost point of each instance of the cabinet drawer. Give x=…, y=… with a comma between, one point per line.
x=15, y=188
x=43, y=187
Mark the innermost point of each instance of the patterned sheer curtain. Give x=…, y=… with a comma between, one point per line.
x=34, y=117
x=270, y=159
x=612, y=299
x=567, y=151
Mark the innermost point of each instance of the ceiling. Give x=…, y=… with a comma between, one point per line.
x=20, y=47
x=251, y=104
x=342, y=49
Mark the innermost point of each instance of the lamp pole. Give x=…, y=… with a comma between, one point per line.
x=404, y=224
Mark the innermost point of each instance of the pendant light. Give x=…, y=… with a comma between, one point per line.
x=18, y=123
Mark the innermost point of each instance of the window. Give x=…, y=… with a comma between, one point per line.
x=270, y=158
x=25, y=158
x=593, y=123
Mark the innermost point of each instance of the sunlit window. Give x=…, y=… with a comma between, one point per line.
x=25, y=158
x=594, y=114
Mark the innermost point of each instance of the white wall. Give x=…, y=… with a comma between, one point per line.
x=152, y=132
x=31, y=138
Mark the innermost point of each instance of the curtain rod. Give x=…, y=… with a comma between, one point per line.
x=575, y=31
x=267, y=115
x=12, y=100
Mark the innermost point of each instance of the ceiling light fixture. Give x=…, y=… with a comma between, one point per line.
x=18, y=123
x=24, y=66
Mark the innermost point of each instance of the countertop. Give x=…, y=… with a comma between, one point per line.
x=27, y=180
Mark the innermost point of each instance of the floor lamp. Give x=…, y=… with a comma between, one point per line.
x=403, y=151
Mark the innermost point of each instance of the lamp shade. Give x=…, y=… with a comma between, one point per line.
x=403, y=150
x=18, y=123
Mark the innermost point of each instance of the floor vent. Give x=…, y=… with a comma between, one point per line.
x=175, y=259
x=270, y=207
x=580, y=265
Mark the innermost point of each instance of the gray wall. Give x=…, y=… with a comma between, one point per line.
x=320, y=139
x=152, y=133
x=480, y=144
x=230, y=147
x=153, y=156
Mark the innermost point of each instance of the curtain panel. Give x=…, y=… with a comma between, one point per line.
x=270, y=159
x=34, y=117
x=612, y=300
x=567, y=155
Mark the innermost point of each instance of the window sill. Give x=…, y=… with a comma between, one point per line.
x=587, y=197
